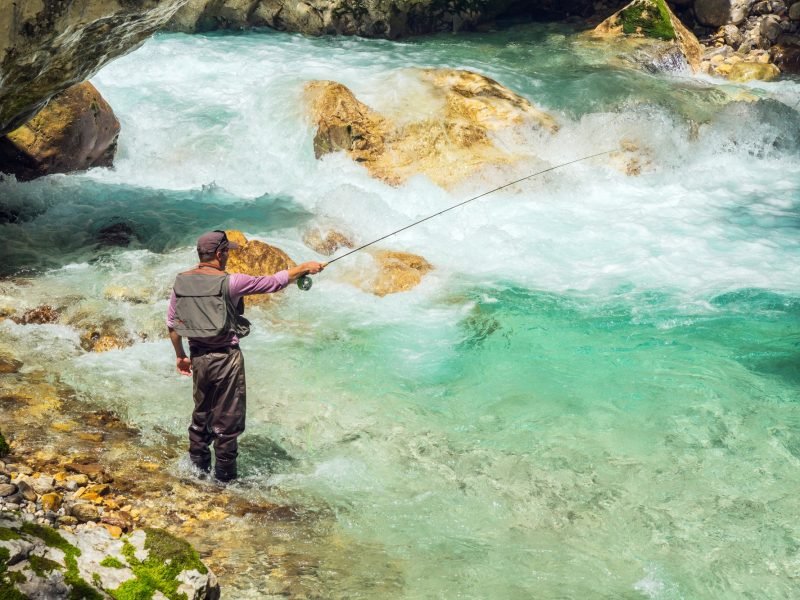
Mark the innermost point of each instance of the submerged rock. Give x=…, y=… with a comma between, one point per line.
x=326, y=242
x=38, y=316
x=660, y=42
x=451, y=138
x=390, y=273
x=47, y=47
x=107, y=335
x=77, y=130
x=256, y=258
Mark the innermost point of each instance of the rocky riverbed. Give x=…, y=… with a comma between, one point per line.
x=81, y=480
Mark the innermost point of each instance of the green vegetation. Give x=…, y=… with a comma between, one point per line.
x=8, y=534
x=4, y=449
x=80, y=589
x=167, y=557
x=41, y=565
x=648, y=17
x=110, y=561
x=7, y=580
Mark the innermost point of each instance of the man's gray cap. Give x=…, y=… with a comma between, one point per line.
x=210, y=242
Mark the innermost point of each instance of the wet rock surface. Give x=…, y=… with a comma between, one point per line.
x=77, y=130
x=451, y=139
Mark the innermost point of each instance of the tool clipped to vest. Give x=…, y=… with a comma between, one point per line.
x=203, y=307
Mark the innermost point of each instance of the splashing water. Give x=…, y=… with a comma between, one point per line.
x=595, y=392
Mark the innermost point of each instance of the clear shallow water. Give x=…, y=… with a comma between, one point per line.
x=595, y=394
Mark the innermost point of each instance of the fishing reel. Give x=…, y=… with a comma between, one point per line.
x=304, y=283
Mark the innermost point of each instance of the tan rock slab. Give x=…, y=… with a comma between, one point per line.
x=453, y=138
x=747, y=71
x=394, y=272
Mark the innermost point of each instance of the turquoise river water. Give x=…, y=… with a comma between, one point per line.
x=594, y=394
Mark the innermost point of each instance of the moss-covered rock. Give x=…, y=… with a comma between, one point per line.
x=92, y=565
x=659, y=39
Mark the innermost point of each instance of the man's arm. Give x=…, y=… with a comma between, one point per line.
x=182, y=361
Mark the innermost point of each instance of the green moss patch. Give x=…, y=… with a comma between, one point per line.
x=4, y=449
x=168, y=557
x=648, y=17
x=79, y=588
x=8, y=590
x=110, y=561
x=41, y=565
x=8, y=534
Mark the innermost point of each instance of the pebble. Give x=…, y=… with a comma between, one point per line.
x=26, y=490
x=7, y=489
x=85, y=512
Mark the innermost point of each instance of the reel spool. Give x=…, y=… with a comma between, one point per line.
x=304, y=283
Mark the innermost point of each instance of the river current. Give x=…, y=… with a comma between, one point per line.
x=594, y=394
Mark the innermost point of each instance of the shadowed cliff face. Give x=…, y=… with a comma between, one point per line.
x=45, y=47
x=369, y=18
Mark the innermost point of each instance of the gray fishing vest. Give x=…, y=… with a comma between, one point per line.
x=203, y=307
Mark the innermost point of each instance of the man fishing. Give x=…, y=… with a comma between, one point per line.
x=206, y=306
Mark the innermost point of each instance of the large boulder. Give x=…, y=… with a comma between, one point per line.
x=47, y=47
x=256, y=258
x=659, y=41
x=451, y=137
x=77, y=130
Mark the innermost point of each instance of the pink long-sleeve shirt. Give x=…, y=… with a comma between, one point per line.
x=238, y=285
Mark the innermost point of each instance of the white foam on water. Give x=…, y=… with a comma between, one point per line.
x=230, y=111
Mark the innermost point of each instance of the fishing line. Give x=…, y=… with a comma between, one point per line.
x=304, y=282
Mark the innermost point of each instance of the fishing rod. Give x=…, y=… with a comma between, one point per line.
x=305, y=282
